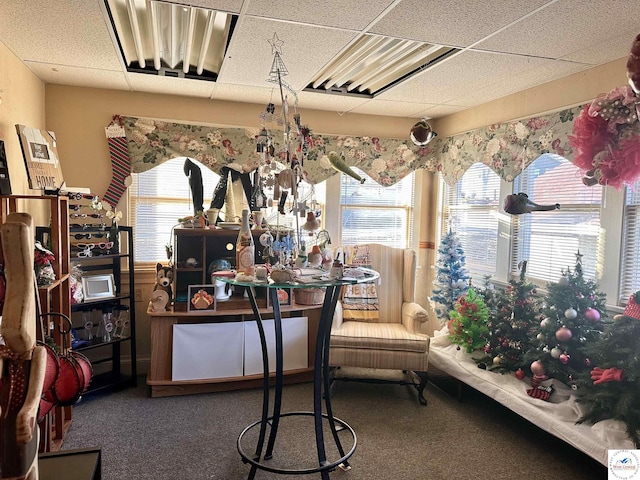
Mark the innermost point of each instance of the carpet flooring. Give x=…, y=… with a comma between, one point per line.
x=194, y=436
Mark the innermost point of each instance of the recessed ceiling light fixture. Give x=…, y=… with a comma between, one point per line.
x=162, y=38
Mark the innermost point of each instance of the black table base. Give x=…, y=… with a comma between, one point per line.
x=321, y=383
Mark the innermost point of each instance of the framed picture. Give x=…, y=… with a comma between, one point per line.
x=201, y=298
x=98, y=287
x=40, y=153
x=285, y=295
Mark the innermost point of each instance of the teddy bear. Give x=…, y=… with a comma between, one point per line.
x=164, y=279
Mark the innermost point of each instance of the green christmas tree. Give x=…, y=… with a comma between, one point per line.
x=468, y=322
x=512, y=325
x=572, y=321
x=611, y=389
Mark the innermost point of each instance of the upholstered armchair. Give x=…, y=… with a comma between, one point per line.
x=390, y=338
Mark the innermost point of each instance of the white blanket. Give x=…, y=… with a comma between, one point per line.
x=557, y=416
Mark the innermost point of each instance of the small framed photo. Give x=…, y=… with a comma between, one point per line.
x=98, y=287
x=285, y=296
x=201, y=298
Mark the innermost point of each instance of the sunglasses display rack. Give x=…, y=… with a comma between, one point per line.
x=104, y=323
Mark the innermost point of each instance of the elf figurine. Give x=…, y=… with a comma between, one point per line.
x=22, y=363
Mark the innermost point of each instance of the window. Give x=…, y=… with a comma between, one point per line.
x=630, y=276
x=158, y=198
x=549, y=241
x=471, y=212
x=372, y=213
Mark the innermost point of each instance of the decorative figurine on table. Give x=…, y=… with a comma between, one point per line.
x=164, y=278
x=23, y=364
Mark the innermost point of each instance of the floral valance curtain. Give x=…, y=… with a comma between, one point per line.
x=507, y=148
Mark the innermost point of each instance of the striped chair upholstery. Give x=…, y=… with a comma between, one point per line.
x=393, y=341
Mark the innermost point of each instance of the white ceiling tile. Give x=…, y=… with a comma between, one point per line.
x=78, y=76
x=617, y=47
x=245, y=93
x=56, y=36
x=549, y=32
x=456, y=23
x=390, y=108
x=451, y=78
x=354, y=14
x=142, y=82
x=330, y=102
x=305, y=51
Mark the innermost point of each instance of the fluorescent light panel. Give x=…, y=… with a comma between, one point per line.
x=170, y=39
x=373, y=64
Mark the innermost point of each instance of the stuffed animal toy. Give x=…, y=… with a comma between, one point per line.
x=164, y=279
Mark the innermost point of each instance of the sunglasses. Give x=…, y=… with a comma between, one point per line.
x=80, y=236
x=85, y=215
x=84, y=253
x=85, y=226
x=85, y=246
x=80, y=196
x=105, y=245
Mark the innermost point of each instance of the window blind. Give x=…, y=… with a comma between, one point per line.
x=630, y=269
x=550, y=240
x=372, y=213
x=158, y=198
x=471, y=208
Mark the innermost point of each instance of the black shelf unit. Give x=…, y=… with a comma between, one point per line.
x=106, y=356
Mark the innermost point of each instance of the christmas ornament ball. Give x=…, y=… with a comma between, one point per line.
x=570, y=313
x=537, y=368
x=563, y=281
x=519, y=374
x=564, y=358
x=555, y=352
x=564, y=334
x=497, y=360
x=540, y=336
x=592, y=314
x=544, y=322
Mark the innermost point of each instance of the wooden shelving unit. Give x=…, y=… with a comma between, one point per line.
x=53, y=298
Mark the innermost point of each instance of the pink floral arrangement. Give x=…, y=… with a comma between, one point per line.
x=606, y=139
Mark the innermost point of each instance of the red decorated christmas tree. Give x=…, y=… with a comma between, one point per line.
x=572, y=321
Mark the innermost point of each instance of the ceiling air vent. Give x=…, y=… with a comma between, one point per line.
x=171, y=40
x=373, y=64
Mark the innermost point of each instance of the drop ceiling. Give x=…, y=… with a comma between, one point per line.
x=496, y=48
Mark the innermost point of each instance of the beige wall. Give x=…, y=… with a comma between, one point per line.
x=22, y=103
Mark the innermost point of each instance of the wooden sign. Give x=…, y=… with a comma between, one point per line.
x=40, y=154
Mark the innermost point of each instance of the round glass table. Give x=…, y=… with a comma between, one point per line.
x=321, y=381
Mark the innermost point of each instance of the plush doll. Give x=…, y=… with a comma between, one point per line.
x=164, y=279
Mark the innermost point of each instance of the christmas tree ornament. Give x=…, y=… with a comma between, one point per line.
x=537, y=368
x=519, y=374
x=563, y=281
x=587, y=362
x=570, y=313
x=555, y=352
x=564, y=334
x=564, y=358
x=545, y=321
x=592, y=314
x=540, y=336
x=497, y=360
x=517, y=204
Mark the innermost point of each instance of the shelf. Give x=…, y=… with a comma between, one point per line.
x=110, y=380
x=92, y=304
x=96, y=342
